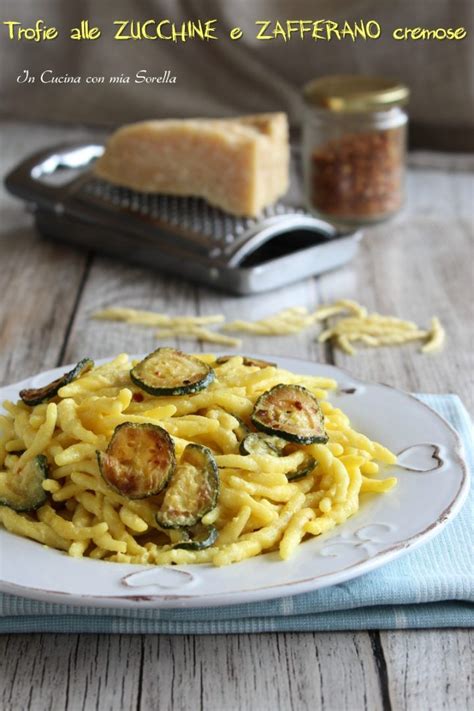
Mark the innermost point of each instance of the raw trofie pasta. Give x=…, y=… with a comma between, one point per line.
x=187, y=327
x=270, y=494
x=376, y=330
x=352, y=323
x=287, y=321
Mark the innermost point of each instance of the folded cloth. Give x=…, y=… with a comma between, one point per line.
x=432, y=586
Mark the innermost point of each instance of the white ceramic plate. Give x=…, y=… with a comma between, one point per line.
x=385, y=527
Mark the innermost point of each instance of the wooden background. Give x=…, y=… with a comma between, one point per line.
x=416, y=266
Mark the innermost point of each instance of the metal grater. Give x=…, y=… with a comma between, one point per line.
x=185, y=236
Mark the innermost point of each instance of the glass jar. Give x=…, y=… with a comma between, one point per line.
x=354, y=148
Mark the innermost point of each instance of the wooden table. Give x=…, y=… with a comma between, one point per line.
x=417, y=266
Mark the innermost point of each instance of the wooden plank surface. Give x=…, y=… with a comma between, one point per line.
x=39, y=282
x=414, y=267
x=294, y=672
x=433, y=671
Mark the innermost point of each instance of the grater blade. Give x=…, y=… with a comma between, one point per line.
x=204, y=228
x=178, y=234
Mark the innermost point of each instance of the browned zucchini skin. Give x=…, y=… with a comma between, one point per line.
x=259, y=438
x=289, y=436
x=305, y=468
x=31, y=504
x=185, y=389
x=182, y=521
x=36, y=396
x=242, y=430
x=162, y=433
x=256, y=362
x=199, y=544
x=276, y=449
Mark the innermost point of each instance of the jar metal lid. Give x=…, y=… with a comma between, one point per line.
x=355, y=93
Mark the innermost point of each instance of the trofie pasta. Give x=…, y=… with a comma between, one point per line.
x=375, y=330
x=353, y=323
x=188, y=327
x=188, y=459
x=287, y=321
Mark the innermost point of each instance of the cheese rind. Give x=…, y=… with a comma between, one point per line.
x=239, y=165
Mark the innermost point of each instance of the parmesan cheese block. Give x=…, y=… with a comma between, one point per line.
x=239, y=165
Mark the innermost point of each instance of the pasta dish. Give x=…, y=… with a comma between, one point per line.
x=180, y=459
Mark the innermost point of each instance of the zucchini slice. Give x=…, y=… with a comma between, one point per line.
x=193, y=489
x=139, y=460
x=167, y=371
x=257, y=362
x=24, y=491
x=306, y=467
x=264, y=445
x=290, y=412
x=198, y=538
x=35, y=396
x=242, y=430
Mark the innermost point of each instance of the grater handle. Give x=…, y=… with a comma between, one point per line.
x=29, y=179
x=267, y=229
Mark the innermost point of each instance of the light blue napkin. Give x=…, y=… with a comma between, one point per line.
x=432, y=586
